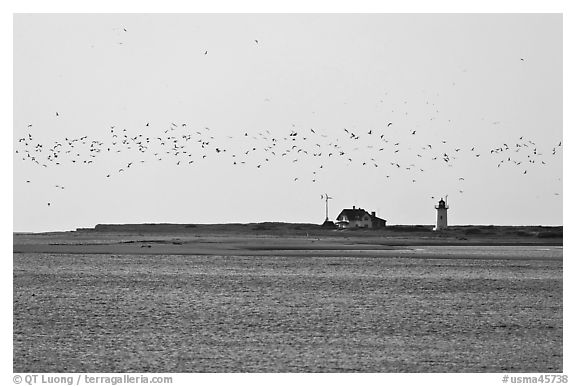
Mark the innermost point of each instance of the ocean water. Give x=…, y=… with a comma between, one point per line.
x=405, y=313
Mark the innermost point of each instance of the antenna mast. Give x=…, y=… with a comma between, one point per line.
x=326, y=197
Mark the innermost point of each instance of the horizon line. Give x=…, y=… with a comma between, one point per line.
x=263, y=222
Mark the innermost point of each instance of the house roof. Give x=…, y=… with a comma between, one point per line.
x=353, y=214
x=356, y=215
x=375, y=218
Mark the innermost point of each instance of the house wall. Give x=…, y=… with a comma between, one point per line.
x=366, y=222
x=360, y=224
x=378, y=224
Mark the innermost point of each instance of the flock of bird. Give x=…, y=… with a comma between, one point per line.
x=380, y=148
x=392, y=148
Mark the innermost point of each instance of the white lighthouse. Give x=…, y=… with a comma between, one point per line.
x=441, y=215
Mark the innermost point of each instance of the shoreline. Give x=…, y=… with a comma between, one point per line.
x=284, y=239
x=381, y=243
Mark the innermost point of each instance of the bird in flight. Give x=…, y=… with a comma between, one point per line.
x=205, y=52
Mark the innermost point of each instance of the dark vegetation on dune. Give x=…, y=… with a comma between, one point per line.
x=458, y=232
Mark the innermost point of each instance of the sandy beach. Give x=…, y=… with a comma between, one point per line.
x=283, y=240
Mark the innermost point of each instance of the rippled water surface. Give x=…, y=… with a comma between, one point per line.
x=144, y=313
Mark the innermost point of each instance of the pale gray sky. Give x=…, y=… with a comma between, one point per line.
x=471, y=81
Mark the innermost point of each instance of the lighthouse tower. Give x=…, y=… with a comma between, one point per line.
x=441, y=215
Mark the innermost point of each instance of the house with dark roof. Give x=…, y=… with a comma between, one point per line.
x=359, y=218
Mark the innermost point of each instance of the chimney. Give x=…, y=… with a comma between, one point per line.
x=373, y=214
x=354, y=207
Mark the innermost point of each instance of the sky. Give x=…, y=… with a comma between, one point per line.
x=219, y=118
